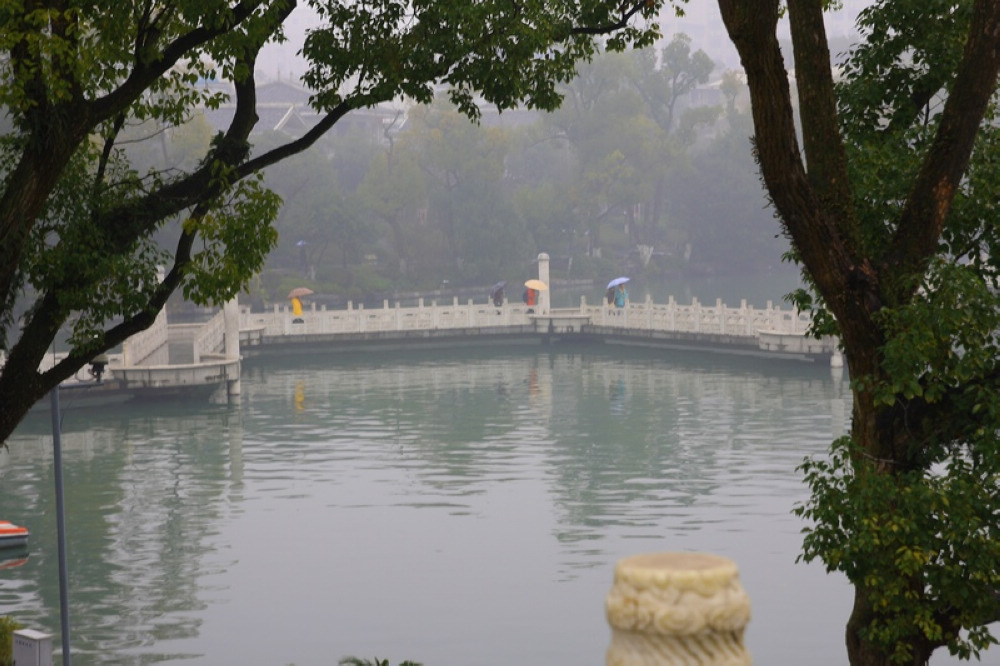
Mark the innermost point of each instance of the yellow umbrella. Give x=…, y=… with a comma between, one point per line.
x=536, y=284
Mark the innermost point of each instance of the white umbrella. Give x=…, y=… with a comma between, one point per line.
x=617, y=281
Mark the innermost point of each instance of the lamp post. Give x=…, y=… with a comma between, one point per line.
x=60, y=525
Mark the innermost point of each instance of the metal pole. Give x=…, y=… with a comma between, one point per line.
x=60, y=526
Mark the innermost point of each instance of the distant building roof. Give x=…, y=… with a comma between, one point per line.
x=283, y=106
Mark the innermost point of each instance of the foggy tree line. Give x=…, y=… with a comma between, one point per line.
x=645, y=168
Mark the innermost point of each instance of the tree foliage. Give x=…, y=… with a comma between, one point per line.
x=77, y=218
x=624, y=122
x=889, y=205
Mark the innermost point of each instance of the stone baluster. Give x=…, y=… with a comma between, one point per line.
x=677, y=609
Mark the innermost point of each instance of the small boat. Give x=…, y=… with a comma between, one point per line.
x=12, y=536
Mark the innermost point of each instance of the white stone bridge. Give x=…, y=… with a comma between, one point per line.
x=213, y=350
x=742, y=329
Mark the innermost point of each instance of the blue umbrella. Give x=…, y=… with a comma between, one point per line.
x=497, y=287
x=617, y=281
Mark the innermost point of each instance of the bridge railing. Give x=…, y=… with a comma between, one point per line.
x=719, y=319
x=144, y=344
x=357, y=319
x=211, y=337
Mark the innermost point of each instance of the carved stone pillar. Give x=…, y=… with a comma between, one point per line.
x=673, y=609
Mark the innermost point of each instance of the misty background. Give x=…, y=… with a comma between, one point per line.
x=645, y=170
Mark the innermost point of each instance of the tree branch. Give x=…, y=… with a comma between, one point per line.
x=106, y=152
x=145, y=72
x=824, y=147
x=627, y=14
x=297, y=146
x=927, y=207
x=846, y=281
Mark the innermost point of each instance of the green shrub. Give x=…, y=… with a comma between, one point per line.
x=8, y=626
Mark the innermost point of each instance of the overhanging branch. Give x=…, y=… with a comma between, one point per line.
x=144, y=73
x=927, y=207
x=628, y=12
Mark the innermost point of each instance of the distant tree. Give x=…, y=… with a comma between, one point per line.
x=667, y=75
x=665, y=79
x=889, y=201
x=394, y=192
x=541, y=171
x=305, y=183
x=629, y=122
x=717, y=204
x=463, y=165
x=76, y=219
x=603, y=123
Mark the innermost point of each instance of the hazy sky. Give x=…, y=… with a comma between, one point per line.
x=702, y=23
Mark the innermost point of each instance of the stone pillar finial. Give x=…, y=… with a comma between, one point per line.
x=544, y=299
x=674, y=609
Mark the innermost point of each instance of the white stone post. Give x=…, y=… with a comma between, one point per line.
x=126, y=354
x=677, y=609
x=544, y=299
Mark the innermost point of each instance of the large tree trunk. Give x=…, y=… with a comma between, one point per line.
x=816, y=209
x=17, y=398
x=862, y=653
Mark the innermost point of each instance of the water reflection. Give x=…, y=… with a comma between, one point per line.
x=457, y=507
x=143, y=497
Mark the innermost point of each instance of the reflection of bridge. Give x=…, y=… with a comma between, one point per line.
x=742, y=330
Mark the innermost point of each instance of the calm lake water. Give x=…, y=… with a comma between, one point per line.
x=458, y=508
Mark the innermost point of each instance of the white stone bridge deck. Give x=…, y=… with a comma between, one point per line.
x=744, y=329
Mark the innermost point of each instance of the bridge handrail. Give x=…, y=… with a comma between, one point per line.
x=280, y=321
x=211, y=336
x=719, y=319
x=672, y=316
x=143, y=344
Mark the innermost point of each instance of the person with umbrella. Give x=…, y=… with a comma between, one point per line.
x=620, y=293
x=496, y=292
x=295, y=295
x=530, y=297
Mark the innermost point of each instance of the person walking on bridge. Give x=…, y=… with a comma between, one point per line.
x=530, y=298
x=621, y=296
x=617, y=293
